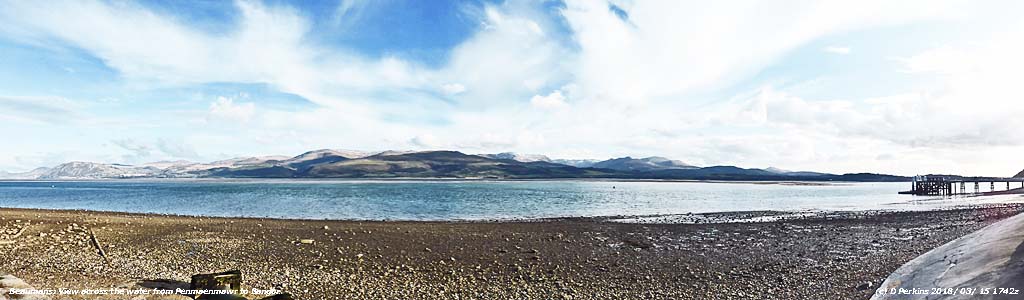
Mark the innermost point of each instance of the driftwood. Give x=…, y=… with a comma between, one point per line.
x=13, y=237
x=99, y=248
x=20, y=231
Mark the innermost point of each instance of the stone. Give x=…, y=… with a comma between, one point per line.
x=11, y=282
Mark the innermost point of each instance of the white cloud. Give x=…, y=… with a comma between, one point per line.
x=554, y=100
x=968, y=112
x=669, y=49
x=54, y=110
x=426, y=141
x=509, y=59
x=176, y=148
x=268, y=46
x=452, y=89
x=137, y=152
x=837, y=50
x=652, y=84
x=225, y=108
x=348, y=12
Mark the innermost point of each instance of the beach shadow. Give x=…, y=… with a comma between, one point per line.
x=170, y=285
x=1014, y=269
x=163, y=284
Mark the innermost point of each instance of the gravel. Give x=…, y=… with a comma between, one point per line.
x=807, y=256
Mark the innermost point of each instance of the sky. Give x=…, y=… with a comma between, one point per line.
x=897, y=87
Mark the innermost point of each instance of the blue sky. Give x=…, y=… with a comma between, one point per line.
x=908, y=87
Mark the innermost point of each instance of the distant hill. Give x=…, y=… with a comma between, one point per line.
x=304, y=161
x=868, y=177
x=448, y=164
x=34, y=174
x=579, y=163
x=1019, y=174
x=736, y=173
x=288, y=167
x=541, y=158
x=518, y=157
x=794, y=173
x=642, y=164
x=329, y=163
x=89, y=170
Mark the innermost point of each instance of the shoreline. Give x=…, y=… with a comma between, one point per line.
x=441, y=179
x=810, y=257
x=694, y=218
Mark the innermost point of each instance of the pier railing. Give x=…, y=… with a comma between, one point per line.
x=943, y=185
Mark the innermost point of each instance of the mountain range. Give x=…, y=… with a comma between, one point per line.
x=329, y=163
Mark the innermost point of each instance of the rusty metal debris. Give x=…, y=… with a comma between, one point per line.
x=225, y=281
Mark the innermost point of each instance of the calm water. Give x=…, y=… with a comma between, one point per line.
x=457, y=200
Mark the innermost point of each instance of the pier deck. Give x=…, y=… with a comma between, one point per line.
x=945, y=185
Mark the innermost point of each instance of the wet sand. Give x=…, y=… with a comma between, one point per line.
x=816, y=256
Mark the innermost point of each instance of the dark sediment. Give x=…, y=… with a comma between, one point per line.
x=810, y=257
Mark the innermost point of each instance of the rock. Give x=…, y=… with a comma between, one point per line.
x=864, y=286
x=11, y=282
x=306, y=241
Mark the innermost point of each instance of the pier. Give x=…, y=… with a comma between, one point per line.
x=948, y=185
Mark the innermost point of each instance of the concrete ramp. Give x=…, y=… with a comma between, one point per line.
x=8, y=282
x=986, y=264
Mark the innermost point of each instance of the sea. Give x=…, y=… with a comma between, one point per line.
x=448, y=200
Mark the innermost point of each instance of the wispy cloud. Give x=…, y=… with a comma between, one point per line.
x=680, y=79
x=554, y=100
x=38, y=109
x=225, y=108
x=176, y=148
x=837, y=50
x=136, y=152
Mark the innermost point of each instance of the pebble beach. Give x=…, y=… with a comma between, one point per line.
x=842, y=255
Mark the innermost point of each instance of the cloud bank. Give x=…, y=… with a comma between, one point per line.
x=708, y=83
